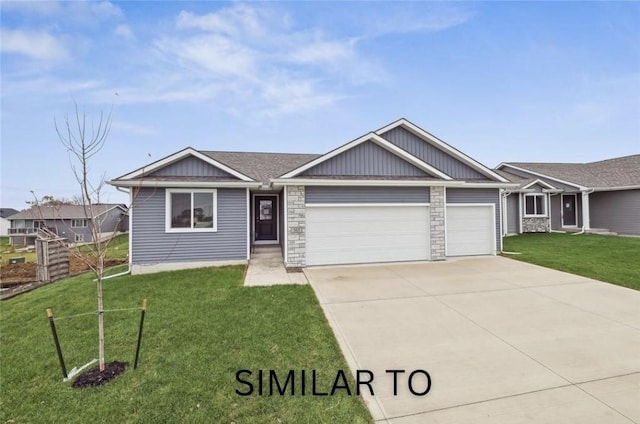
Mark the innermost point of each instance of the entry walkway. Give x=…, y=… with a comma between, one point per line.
x=266, y=268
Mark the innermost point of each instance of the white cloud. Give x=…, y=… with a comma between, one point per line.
x=238, y=19
x=34, y=44
x=123, y=31
x=210, y=52
x=324, y=52
x=421, y=17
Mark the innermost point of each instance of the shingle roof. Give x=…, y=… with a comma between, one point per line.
x=62, y=211
x=7, y=212
x=616, y=172
x=261, y=166
x=515, y=178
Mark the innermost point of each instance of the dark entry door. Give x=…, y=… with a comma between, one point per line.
x=266, y=218
x=568, y=210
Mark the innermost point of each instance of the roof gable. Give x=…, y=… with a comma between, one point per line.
x=191, y=166
x=365, y=159
x=66, y=211
x=436, y=152
x=178, y=156
x=381, y=142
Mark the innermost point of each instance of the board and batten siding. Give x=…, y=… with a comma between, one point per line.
x=366, y=159
x=555, y=211
x=618, y=211
x=191, y=167
x=153, y=245
x=479, y=195
x=327, y=194
x=431, y=154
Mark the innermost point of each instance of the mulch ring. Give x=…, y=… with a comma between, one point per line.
x=94, y=377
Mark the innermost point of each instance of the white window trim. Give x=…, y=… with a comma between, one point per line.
x=79, y=238
x=167, y=208
x=544, y=205
x=73, y=223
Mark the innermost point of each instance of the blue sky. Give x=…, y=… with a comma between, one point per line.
x=501, y=81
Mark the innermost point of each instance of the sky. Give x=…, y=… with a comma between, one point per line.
x=500, y=81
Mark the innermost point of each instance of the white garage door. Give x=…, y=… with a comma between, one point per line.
x=470, y=230
x=365, y=234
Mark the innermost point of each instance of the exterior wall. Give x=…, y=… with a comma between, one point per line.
x=512, y=214
x=366, y=159
x=282, y=221
x=153, y=246
x=327, y=194
x=479, y=195
x=437, y=224
x=296, y=227
x=430, y=154
x=5, y=224
x=618, y=211
x=535, y=225
x=191, y=167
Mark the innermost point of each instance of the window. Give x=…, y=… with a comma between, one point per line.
x=191, y=210
x=78, y=223
x=79, y=237
x=535, y=205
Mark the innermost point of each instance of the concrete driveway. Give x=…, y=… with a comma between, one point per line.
x=503, y=341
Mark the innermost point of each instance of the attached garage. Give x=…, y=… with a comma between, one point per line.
x=366, y=234
x=470, y=230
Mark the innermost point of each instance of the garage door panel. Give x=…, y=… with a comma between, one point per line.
x=366, y=234
x=470, y=230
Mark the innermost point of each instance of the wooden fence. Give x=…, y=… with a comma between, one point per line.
x=52, y=256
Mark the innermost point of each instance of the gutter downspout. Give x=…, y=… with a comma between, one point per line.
x=128, y=271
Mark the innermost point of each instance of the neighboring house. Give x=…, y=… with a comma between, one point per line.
x=4, y=222
x=69, y=221
x=601, y=196
x=396, y=194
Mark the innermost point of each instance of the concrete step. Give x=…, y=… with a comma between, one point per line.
x=267, y=255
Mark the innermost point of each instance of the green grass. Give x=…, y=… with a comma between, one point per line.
x=606, y=258
x=201, y=327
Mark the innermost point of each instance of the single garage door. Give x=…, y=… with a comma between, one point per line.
x=366, y=234
x=470, y=230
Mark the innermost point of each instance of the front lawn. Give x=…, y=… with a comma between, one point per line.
x=201, y=328
x=606, y=258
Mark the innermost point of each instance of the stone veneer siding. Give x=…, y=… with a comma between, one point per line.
x=535, y=225
x=436, y=223
x=296, y=227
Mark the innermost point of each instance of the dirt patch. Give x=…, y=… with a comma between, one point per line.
x=95, y=377
x=18, y=274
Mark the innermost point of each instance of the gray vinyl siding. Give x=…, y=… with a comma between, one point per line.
x=326, y=194
x=431, y=155
x=190, y=167
x=479, y=195
x=513, y=214
x=364, y=160
x=556, y=211
x=152, y=244
x=618, y=211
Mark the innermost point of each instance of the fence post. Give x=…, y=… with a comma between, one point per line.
x=57, y=342
x=144, y=309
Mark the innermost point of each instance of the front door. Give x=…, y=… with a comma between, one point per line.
x=569, y=210
x=266, y=218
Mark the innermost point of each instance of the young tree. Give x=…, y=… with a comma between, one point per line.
x=83, y=140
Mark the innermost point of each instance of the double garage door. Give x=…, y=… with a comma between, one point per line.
x=368, y=234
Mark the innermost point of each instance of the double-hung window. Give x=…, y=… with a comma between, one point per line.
x=191, y=210
x=535, y=205
x=79, y=223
